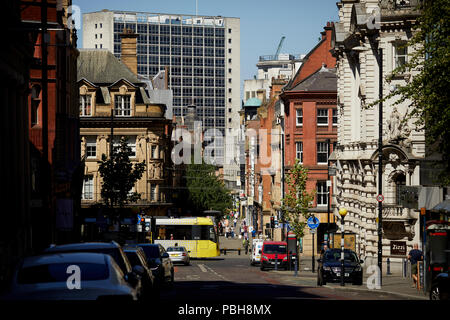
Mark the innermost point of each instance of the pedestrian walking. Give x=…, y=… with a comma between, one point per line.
x=414, y=256
x=227, y=231
x=245, y=243
x=235, y=221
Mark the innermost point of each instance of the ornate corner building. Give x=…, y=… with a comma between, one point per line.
x=365, y=26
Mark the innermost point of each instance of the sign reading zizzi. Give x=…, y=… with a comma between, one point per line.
x=398, y=248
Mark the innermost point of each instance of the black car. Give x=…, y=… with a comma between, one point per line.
x=329, y=269
x=132, y=274
x=137, y=257
x=440, y=287
x=159, y=262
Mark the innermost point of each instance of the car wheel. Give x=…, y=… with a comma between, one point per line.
x=262, y=268
x=434, y=293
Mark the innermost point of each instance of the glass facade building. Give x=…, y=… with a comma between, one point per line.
x=200, y=53
x=194, y=52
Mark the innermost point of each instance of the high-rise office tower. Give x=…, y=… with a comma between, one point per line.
x=202, y=54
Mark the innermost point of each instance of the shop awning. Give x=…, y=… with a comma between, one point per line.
x=443, y=206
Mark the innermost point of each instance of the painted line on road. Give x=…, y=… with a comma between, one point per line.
x=202, y=267
x=217, y=274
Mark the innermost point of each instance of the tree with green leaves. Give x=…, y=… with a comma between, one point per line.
x=428, y=91
x=205, y=190
x=119, y=176
x=298, y=200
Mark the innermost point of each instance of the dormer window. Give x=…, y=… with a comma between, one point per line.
x=86, y=105
x=122, y=106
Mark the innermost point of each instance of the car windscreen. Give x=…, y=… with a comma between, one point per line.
x=151, y=251
x=60, y=272
x=274, y=248
x=133, y=258
x=177, y=249
x=335, y=256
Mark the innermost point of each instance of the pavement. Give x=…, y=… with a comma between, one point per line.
x=393, y=284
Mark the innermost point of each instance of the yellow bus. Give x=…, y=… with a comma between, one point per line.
x=197, y=234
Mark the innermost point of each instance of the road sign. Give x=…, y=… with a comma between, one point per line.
x=313, y=222
x=313, y=231
x=331, y=171
x=380, y=198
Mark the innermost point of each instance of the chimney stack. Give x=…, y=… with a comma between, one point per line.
x=129, y=50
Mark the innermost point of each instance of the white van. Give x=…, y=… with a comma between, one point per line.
x=255, y=256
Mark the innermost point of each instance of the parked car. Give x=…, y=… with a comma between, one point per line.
x=329, y=268
x=255, y=257
x=112, y=248
x=159, y=262
x=274, y=252
x=137, y=257
x=440, y=287
x=47, y=277
x=179, y=254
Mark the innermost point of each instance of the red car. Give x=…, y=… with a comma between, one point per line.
x=274, y=252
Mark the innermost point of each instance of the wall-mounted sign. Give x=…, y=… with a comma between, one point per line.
x=331, y=171
x=398, y=248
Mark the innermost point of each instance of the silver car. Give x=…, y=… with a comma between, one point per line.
x=179, y=254
x=70, y=276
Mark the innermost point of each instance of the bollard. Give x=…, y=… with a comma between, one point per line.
x=388, y=266
x=290, y=259
x=276, y=262
x=404, y=268
x=239, y=251
x=225, y=251
x=296, y=267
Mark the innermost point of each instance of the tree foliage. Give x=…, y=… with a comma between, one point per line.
x=205, y=190
x=298, y=200
x=428, y=91
x=119, y=176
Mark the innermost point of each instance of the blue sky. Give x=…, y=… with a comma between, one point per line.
x=263, y=22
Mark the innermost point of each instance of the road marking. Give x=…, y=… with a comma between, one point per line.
x=217, y=274
x=202, y=267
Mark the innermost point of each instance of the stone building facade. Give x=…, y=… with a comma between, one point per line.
x=106, y=84
x=364, y=27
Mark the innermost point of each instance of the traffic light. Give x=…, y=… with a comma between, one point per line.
x=147, y=224
x=272, y=222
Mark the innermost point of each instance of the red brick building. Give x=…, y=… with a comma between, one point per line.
x=53, y=122
x=311, y=127
x=269, y=166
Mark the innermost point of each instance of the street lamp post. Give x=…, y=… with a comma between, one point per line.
x=380, y=162
x=342, y=212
